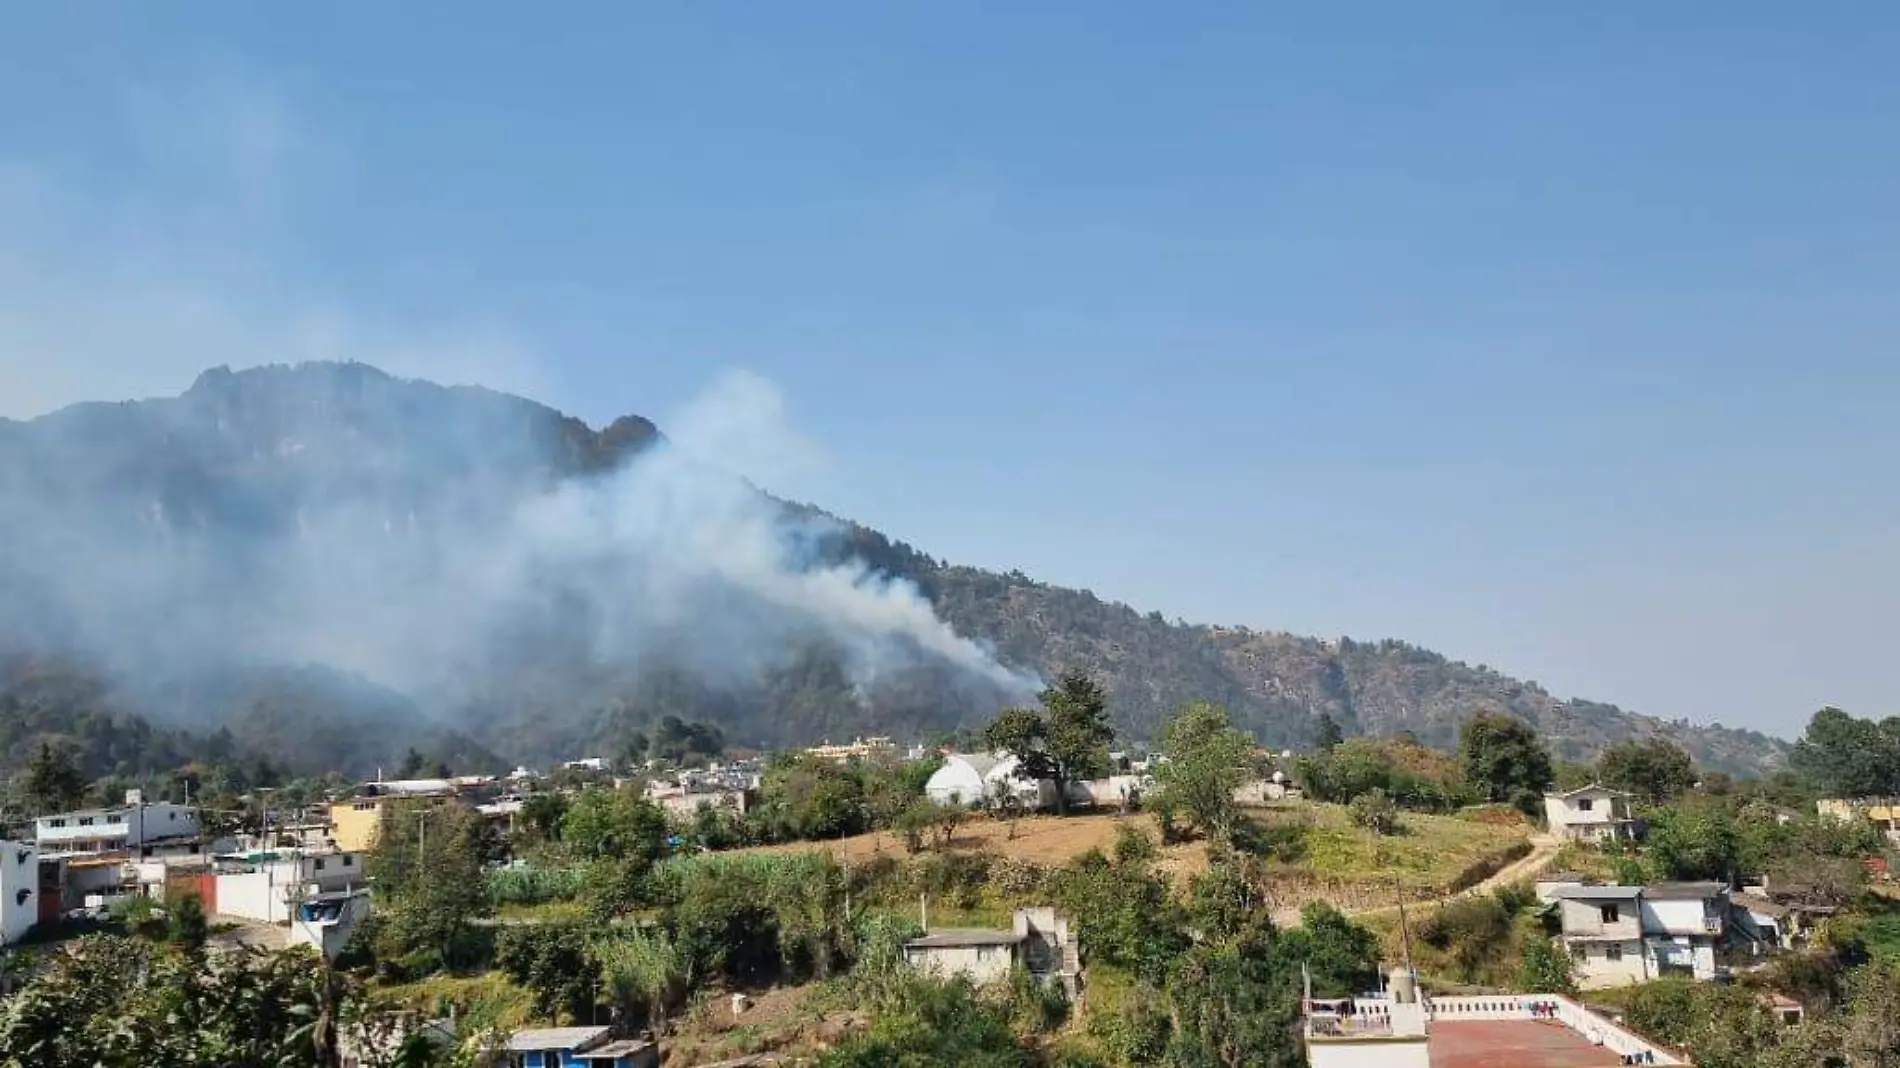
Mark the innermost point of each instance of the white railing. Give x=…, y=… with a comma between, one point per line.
x=1596, y=1029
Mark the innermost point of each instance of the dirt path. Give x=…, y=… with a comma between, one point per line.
x=1543, y=850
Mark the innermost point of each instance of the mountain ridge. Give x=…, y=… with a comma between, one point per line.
x=221, y=498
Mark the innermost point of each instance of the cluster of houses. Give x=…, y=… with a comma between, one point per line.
x=1618, y=934
x=305, y=875
x=994, y=779
x=84, y=860
x=308, y=876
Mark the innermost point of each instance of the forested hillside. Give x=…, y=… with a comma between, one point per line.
x=1277, y=684
x=337, y=566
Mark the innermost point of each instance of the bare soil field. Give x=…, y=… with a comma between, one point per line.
x=1340, y=863
x=1048, y=840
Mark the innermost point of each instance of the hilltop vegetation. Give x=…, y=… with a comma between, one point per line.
x=267, y=553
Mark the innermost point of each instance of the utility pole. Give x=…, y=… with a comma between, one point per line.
x=1405, y=930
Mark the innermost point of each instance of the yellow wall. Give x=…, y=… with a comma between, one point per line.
x=354, y=823
x=1843, y=809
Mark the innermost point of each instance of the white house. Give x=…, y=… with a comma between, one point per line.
x=1039, y=941
x=133, y=825
x=1632, y=934
x=19, y=890
x=1684, y=925
x=1767, y=923
x=267, y=888
x=1589, y=814
x=327, y=921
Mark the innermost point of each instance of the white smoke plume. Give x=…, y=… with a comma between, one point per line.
x=417, y=563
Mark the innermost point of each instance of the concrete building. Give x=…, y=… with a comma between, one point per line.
x=1884, y=813
x=1039, y=941
x=684, y=803
x=1550, y=883
x=132, y=826
x=1768, y=924
x=503, y=814
x=1632, y=934
x=861, y=747
x=328, y=920
x=354, y=823
x=19, y=890
x=1685, y=926
x=266, y=887
x=980, y=955
x=1118, y=791
x=1589, y=814
x=1603, y=933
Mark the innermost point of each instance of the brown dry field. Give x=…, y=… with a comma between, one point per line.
x=1047, y=840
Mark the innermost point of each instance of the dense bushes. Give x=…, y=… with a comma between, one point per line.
x=1414, y=777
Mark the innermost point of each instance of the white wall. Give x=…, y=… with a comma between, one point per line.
x=979, y=964
x=1697, y=954
x=1369, y=1053
x=252, y=896
x=267, y=894
x=19, y=870
x=136, y=825
x=1677, y=916
x=330, y=937
x=1595, y=970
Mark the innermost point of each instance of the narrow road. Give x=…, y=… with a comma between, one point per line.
x=1543, y=849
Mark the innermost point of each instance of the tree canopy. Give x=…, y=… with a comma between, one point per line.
x=1654, y=769
x=1207, y=760
x=1847, y=757
x=1504, y=759
x=1066, y=739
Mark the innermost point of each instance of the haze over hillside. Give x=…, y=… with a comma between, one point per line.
x=337, y=564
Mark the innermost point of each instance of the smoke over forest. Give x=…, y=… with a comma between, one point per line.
x=512, y=572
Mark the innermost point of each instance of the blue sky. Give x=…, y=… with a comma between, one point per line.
x=1559, y=340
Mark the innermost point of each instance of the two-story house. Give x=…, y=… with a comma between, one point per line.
x=354, y=823
x=1590, y=814
x=1603, y=932
x=132, y=826
x=1632, y=934
x=1684, y=926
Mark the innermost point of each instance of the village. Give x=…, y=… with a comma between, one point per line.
x=303, y=879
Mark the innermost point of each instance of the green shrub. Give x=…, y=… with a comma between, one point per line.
x=1375, y=811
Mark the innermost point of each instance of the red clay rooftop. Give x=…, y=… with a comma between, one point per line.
x=1513, y=1044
